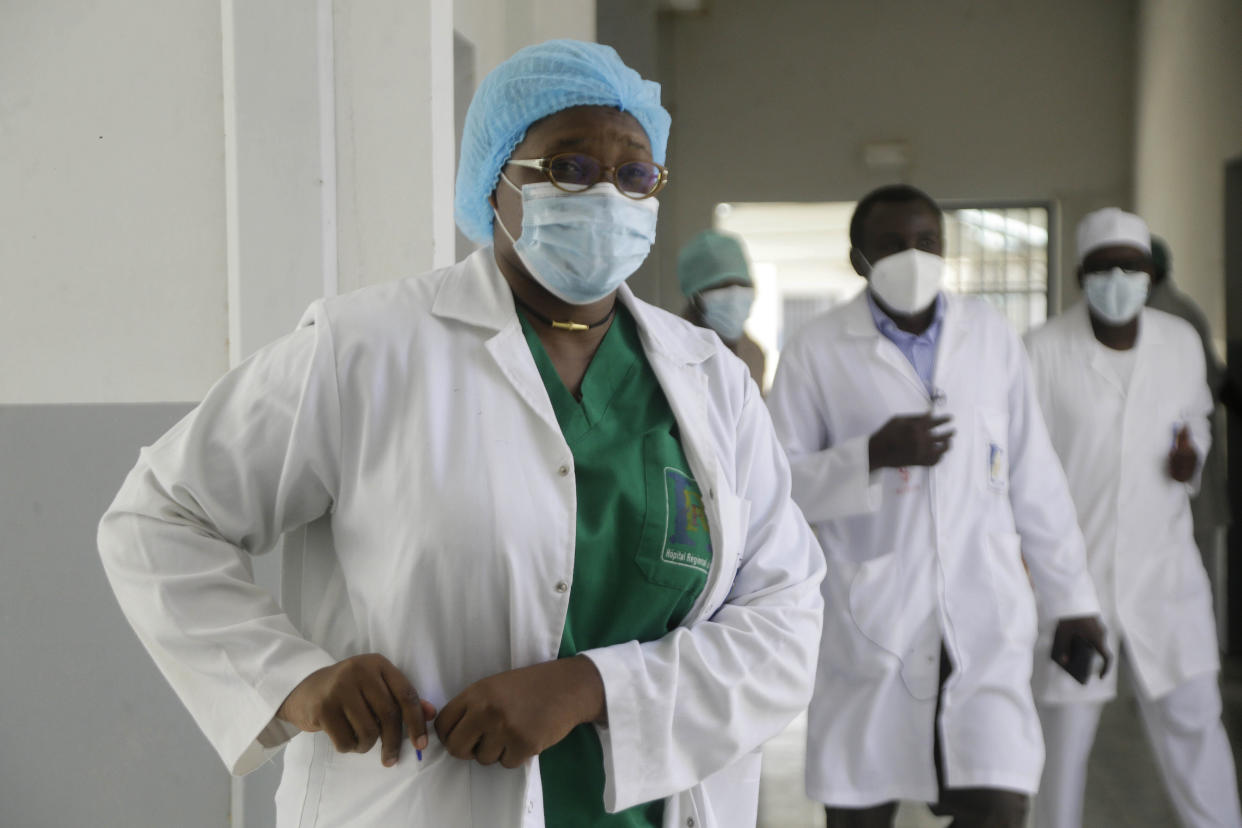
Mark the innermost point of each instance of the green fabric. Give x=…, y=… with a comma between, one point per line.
x=642, y=546
x=710, y=259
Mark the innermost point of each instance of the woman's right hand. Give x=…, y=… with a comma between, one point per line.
x=356, y=702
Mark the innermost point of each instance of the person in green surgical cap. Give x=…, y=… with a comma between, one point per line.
x=715, y=278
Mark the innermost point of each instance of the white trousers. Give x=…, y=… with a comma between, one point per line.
x=1186, y=735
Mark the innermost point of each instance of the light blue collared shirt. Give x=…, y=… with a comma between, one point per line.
x=920, y=349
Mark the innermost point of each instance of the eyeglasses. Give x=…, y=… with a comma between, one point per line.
x=574, y=172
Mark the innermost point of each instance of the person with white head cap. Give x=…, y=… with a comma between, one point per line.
x=540, y=525
x=1124, y=392
x=715, y=279
x=934, y=535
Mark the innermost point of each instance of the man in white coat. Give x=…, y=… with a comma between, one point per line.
x=540, y=525
x=920, y=458
x=1124, y=393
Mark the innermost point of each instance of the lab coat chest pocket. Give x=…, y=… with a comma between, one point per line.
x=991, y=445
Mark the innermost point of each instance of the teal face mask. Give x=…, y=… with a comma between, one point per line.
x=581, y=246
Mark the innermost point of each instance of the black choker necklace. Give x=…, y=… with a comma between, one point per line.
x=565, y=326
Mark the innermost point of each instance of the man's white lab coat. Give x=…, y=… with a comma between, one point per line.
x=408, y=424
x=1114, y=444
x=918, y=556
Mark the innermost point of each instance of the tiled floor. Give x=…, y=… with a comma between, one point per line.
x=1123, y=788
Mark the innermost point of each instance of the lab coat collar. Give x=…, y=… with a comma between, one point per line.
x=668, y=335
x=859, y=323
x=476, y=293
x=1149, y=338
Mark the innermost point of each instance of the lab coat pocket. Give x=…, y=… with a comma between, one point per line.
x=1013, y=597
x=356, y=789
x=875, y=602
x=730, y=797
x=991, y=462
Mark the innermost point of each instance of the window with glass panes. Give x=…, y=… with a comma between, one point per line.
x=1000, y=253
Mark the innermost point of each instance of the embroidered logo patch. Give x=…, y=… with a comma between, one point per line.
x=687, y=541
x=998, y=470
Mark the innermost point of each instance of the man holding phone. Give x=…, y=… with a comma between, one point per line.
x=919, y=455
x=1125, y=398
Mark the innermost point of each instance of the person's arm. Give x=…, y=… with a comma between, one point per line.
x=1194, y=438
x=257, y=457
x=830, y=479
x=697, y=700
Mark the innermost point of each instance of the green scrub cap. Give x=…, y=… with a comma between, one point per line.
x=709, y=259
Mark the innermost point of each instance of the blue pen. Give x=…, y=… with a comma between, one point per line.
x=420, y=754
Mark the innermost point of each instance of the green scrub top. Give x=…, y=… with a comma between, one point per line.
x=642, y=547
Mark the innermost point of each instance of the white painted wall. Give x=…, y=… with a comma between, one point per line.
x=112, y=253
x=179, y=180
x=395, y=146
x=280, y=165
x=1188, y=123
x=1006, y=99
x=498, y=28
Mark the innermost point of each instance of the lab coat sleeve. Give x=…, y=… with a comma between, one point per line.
x=1043, y=510
x=257, y=457
x=829, y=481
x=694, y=702
x=1199, y=406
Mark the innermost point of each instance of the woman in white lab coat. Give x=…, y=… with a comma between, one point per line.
x=540, y=525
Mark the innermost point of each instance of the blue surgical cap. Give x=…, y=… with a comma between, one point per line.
x=533, y=84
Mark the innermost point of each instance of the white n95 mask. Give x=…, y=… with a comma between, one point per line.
x=1116, y=295
x=725, y=310
x=581, y=246
x=909, y=281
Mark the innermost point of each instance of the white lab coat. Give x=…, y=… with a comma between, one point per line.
x=918, y=555
x=408, y=424
x=1114, y=446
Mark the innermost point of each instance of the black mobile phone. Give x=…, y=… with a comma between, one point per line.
x=1081, y=656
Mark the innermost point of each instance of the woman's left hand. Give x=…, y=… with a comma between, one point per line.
x=512, y=716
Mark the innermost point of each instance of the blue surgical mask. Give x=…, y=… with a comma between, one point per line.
x=1116, y=296
x=581, y=246
x=725, y=310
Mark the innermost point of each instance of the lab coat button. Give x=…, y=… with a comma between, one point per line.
x=530, y=806
x=561, y=586
x=563, y=471
x=689, y=822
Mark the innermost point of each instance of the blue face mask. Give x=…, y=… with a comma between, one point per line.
x=1116, y=296
x=725, y=310
x=581, y=246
